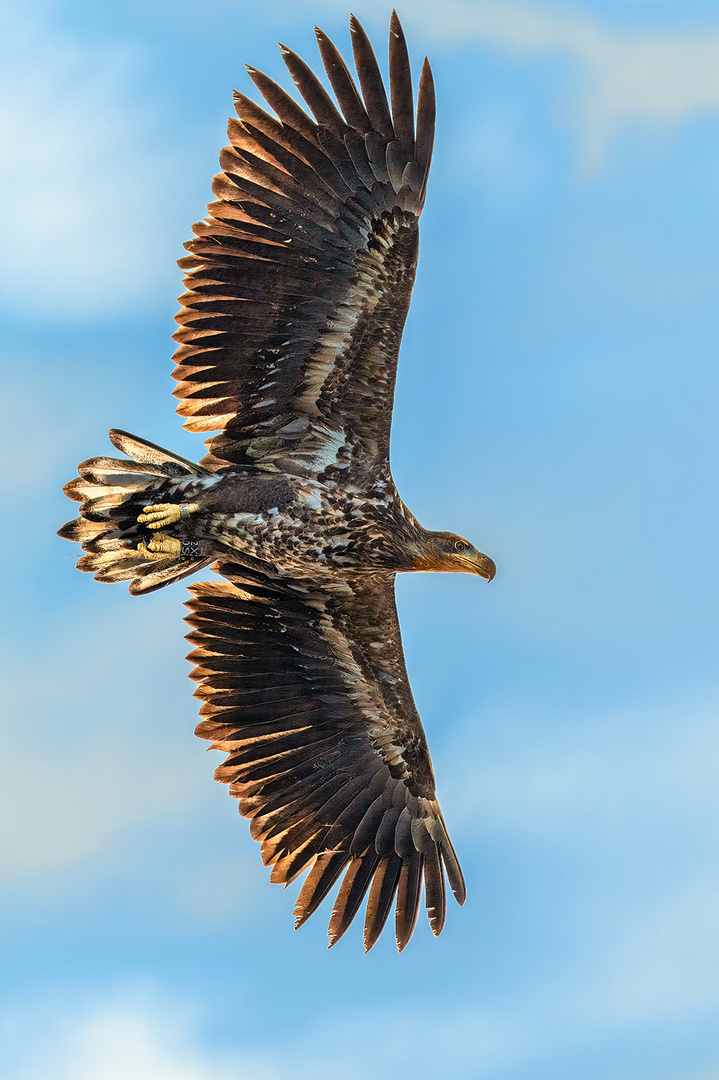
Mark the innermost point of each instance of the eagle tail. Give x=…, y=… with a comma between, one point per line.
x=113, y=493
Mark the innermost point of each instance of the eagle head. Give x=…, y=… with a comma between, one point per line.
x=449, y=553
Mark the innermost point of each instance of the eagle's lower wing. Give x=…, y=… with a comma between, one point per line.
x=299, y=280
x=304, y=686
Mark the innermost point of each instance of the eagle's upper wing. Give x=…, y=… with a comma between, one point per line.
x=304, y=686
x=299, y=280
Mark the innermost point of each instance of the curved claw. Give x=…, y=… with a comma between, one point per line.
x=160, y=514
x=160, y=547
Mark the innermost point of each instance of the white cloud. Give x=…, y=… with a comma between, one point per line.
x=64, y=806
x=629, y=76
x=135, y=1036
x=77, y=769
x=82, y=180
x=143, y=1035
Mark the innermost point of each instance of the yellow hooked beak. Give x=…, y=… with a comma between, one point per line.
x=481, y=564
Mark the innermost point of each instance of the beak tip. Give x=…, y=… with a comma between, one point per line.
x=489, y=569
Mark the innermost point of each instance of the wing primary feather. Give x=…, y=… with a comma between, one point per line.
x=357, y=150
x=318, y=883
x=290, y=840
x=343, y=85
x=370, y=80
x=238, y=132
x=335, y=147
x=409, y=891
x=313, y=92
x=305, y=150
x=247, y=109
x=352, y=815
x=295, y=143
x=400, y=85
x=403, y=843
x=266, y=811
x=336, y=804
x=277, y=815
x=426, y=111
x=376, y=147
x=379, y=903
x=384, y=838
x=352, y=892
x=291, y=865
x=434, y=889
x=454, y=871
x=280, y=101
x=308, y=172
x=364, y=834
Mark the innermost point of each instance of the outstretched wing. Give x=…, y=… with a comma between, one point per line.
x=299, y=280
x=305, y=688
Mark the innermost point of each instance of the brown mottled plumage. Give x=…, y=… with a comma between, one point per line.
x=298, y=286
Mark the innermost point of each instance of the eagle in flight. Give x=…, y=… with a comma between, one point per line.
x=298, y=285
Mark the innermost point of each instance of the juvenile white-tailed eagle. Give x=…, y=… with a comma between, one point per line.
x=298, y=285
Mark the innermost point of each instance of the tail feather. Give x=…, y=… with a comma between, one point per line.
x=113, y=493
x=148, y=453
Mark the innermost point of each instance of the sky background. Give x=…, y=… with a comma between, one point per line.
x=557, y=403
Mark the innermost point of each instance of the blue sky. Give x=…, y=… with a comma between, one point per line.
x=557, y=403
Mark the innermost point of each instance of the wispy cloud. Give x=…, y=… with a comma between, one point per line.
x=86, y=774
x=82, y=177
x=133, y=1035
x=149, y=1035
x=85, y=163
x=627, y=76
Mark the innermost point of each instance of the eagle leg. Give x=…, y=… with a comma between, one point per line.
x=160, y=547
x=159, y=515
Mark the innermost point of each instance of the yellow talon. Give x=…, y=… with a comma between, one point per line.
x=159, y=515
x=160, y=547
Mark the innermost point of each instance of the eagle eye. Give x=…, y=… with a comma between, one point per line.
x=460, y=545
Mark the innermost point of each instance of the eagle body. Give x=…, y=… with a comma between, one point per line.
x=301, y=525
x=298, y=286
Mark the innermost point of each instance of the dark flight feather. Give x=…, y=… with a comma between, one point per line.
x=377, y=806
x=286, y=108
x=313, y=92
x=400, y=82
x=409, y=892
x=370, y=79
x=343, y=85
x=351, y=894
x=327, y=868
x=379, y=901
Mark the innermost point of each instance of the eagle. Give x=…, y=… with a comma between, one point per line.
x=298, y=286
